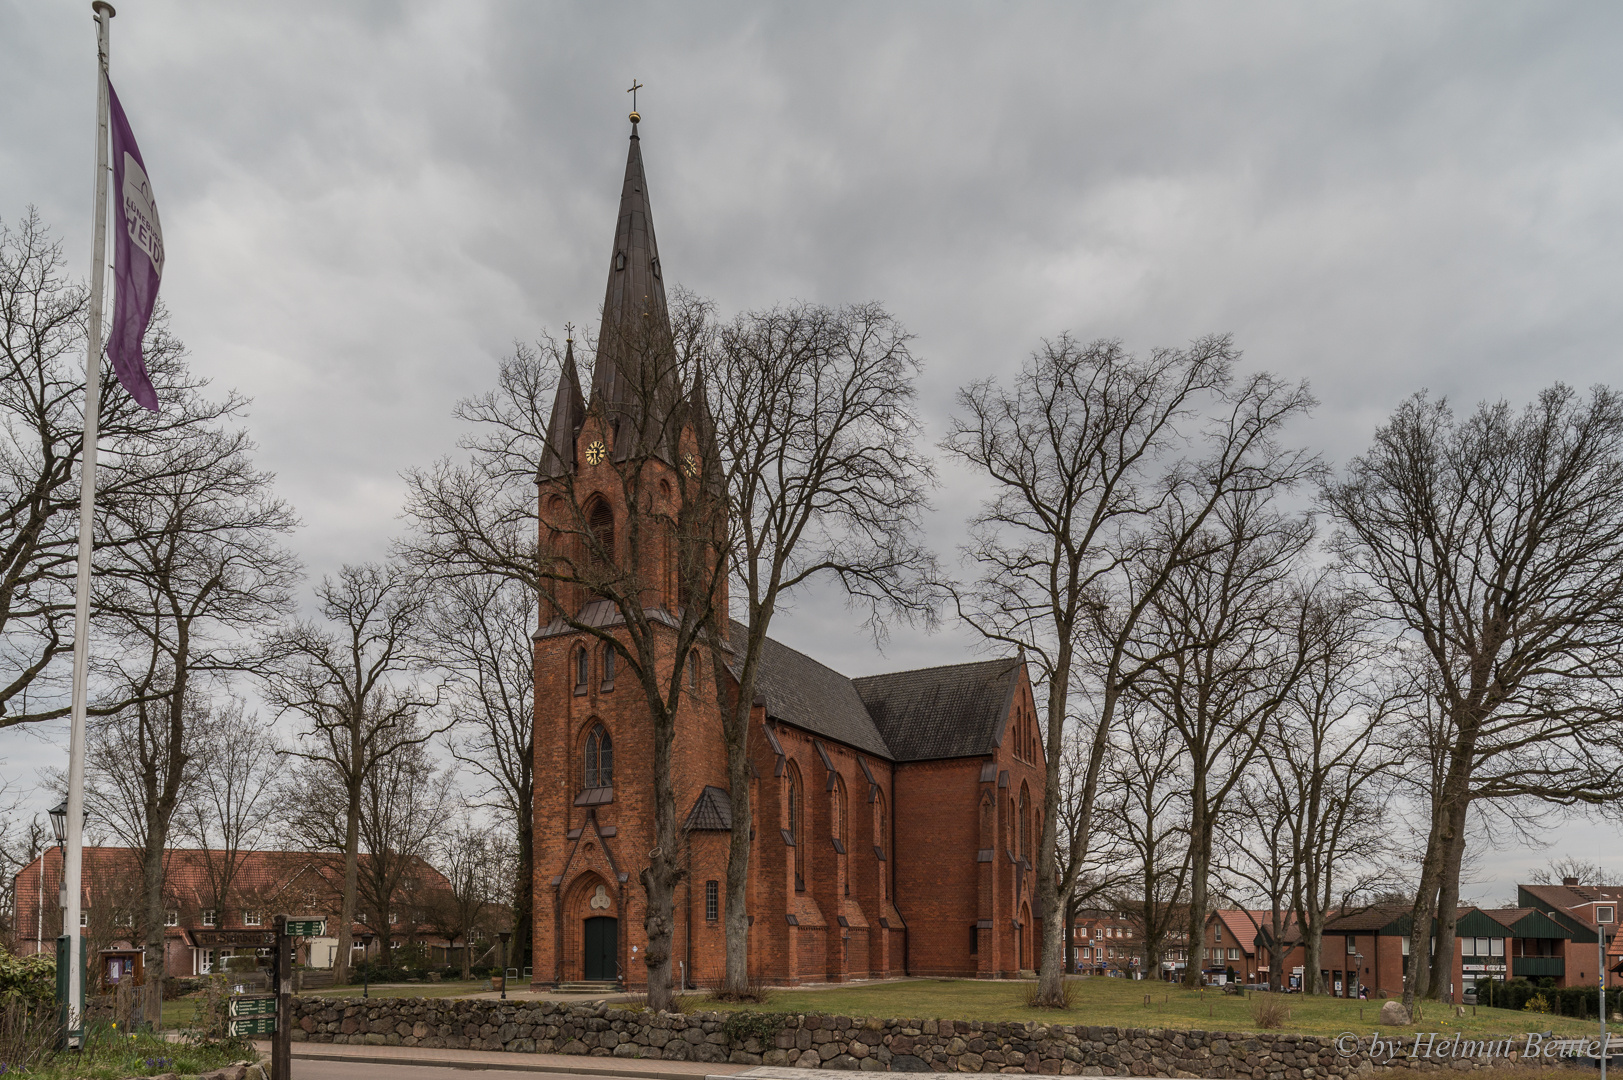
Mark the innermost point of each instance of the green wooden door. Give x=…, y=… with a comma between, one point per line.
x=602, y=946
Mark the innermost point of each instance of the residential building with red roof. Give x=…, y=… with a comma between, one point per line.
x=203, y=927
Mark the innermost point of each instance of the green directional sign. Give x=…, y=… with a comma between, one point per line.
x=306, y=927
x=253, y=1006
x=253, y=1025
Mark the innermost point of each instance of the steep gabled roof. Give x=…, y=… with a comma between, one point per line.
x=941, y=712
x=800, y=691
x=944, y=712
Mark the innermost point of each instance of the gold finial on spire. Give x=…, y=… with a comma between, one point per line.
x=635, y=86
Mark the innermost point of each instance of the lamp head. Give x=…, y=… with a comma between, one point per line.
x=59, y=821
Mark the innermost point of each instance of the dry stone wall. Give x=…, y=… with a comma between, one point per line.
x=837, y=1042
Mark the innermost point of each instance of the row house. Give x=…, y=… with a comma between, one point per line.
x=1106, y=943
x=1370, y=949
x=1234, y=947
x=211, y=916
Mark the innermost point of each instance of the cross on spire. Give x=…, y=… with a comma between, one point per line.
x=635, y=86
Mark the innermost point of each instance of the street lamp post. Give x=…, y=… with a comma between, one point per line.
x=504, y=935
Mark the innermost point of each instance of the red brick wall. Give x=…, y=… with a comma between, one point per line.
x=911, y=837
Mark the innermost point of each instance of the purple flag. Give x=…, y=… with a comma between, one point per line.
x=137, y=259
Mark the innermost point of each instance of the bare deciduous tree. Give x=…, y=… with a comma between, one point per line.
x=341, y=683
x=234, y=798
x=1219, y=659
x=199, y=570
x=1496, y=543
x=42, y=348
x=1144, y=803
x=1081, y=532
x=479, y=632
x=815, y=440
x=479, y=865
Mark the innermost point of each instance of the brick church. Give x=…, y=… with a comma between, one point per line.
x=896, y=816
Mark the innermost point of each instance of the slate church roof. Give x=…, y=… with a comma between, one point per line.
x=942, y=712
x=958, y=710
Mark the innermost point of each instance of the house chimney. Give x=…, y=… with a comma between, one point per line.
x=1569, y=882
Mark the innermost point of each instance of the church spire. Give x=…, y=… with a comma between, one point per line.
x=636, y=324
x=568, y=412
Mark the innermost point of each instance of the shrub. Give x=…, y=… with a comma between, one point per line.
x=1269, y=1011
x=1538, y=1003
x=28, y=980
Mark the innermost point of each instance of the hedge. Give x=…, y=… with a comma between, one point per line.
x=1578, y=1001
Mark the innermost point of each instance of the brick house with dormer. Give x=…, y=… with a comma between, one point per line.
x=896, y=816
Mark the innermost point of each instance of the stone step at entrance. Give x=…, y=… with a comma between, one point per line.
x=593, y=986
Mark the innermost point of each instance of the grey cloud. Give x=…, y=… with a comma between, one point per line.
x=367, y=203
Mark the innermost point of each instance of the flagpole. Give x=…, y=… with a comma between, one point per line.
x=72, y=871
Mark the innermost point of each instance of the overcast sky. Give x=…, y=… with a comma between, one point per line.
x=365, y=205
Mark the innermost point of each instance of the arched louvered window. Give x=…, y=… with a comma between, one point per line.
x=611, y=655
x=600, y=523
x=583, y=669
x=599, y=758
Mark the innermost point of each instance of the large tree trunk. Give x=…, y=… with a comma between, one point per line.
x=735, y=718
x=152, y=946
x=1448, y=902
x=1276, y=951
x=524, y=890
x=1417, y=982
x=352, y=864
x=738, y=864
x=1313, y=958
x=664, y=870
x=160, y=813
x=1054, y=890
x=1200, y=869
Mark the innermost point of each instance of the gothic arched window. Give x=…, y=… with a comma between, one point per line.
x=1025, y=823
x=599, y=759
x=610, y=657
x=796, y=813
x=600, y=523
x=583, y=669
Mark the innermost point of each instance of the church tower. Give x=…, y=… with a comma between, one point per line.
x=616, y=466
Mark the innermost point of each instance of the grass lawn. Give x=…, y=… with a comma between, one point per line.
x=1120, y=1003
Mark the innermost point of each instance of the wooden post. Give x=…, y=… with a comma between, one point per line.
x=282, y=1038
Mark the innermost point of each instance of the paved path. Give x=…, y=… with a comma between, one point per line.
x=338, y=1061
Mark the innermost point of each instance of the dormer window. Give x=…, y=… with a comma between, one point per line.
x=1605, y=914
x=619, y=260
x=210, y=918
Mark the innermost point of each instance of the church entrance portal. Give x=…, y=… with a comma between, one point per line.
x=602, y=948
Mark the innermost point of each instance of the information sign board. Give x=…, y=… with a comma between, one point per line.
x=253, y=1025
x=253, y=1006
x=306, y=927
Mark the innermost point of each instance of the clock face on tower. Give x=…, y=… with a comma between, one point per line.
x=690, y=464
x=596, y=452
